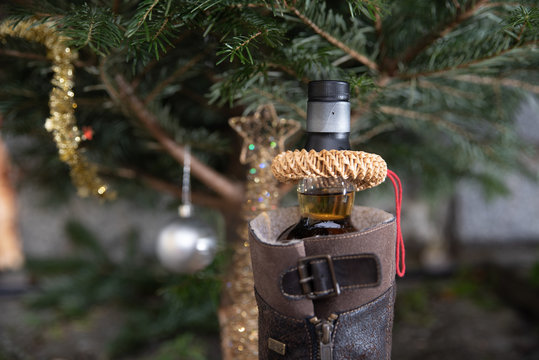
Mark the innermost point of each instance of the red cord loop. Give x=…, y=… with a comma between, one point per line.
x=397, y=185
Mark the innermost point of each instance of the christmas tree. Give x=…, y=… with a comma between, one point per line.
x=435, y=86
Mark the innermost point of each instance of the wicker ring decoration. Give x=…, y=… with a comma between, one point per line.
x=364, y=169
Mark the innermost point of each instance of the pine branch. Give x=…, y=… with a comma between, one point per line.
x=486, y=80
x=150, y=65
x=242, y=29
x=526, y=19
x=142, y=74
x=240, y=50
x=280, y=100
x=334, y=41
x=116, y=6
x=288, y=71
x=92, y=26
x=372, y=9
x=498, y=4
x=412, y=52
x=23, y=55
x=467, y=64
x=111, y=90
x=426, y=84
x=175, y=75
x=160, y=185
x=378, y=24
x=411, y=114
x=377, y=130
x=217, y=182
x=234, y=84
x=247, y=41
x=161, y=30
x=378, y=27
x=152, y=28
x=38, y=57
x=147, y=13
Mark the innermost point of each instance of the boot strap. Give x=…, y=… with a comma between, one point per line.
x=323, y=276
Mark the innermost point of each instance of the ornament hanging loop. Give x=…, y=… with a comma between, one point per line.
x=185, y=210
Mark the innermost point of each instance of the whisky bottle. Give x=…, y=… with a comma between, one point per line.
x=325, y=204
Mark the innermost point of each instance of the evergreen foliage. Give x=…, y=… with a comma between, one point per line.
x=426, y=74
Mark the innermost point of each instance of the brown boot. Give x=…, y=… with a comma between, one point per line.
x=327, y=297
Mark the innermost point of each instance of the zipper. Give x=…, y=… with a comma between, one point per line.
x=324, y=331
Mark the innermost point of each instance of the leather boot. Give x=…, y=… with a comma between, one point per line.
x=327, y=297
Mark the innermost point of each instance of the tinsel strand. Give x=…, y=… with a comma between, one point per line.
x=61, y=122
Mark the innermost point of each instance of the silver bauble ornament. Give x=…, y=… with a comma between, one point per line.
x=186, y=245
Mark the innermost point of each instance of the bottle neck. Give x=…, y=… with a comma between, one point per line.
x=328, y=116
x=321, y=141
x=328, y=125
x=326, y=199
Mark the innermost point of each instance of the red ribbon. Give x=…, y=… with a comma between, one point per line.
x=397, y=185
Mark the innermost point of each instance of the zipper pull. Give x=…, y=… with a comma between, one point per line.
x=325, y=330
x=326, y=346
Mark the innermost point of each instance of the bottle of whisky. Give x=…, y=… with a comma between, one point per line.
x=325, y=204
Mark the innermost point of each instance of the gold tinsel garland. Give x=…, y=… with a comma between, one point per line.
x=61, y=122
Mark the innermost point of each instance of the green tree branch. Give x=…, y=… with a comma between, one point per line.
x=334, y=41
x=412, y=52
x=232, y=192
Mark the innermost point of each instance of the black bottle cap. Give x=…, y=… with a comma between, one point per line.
x=327, y=141
x=328, y=90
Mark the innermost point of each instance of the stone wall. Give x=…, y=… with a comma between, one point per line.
x=511, y=218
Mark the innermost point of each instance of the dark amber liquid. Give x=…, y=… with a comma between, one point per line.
x=321, y=214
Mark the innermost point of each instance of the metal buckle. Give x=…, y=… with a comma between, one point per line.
x=305, y=277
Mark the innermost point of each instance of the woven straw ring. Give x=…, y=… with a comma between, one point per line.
x=365, y=170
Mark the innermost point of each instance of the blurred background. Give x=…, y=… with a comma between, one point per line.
x=445, y=91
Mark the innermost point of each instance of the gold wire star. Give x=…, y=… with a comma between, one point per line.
x=262, y=131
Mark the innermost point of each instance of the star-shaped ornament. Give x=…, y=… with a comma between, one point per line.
x=263, y=132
